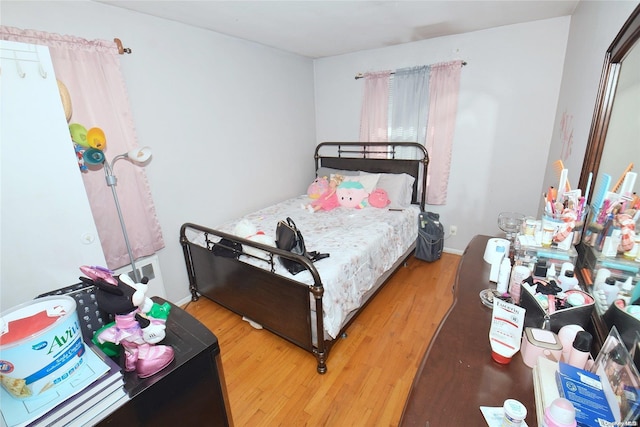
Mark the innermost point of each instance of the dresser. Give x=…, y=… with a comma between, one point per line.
x=189, y=392
x=457, y=374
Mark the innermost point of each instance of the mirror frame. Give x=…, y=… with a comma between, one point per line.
x=619, y=48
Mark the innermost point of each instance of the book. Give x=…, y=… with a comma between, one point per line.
x=92, y=407
x=585, y=391
x=111, y=382
x=21, y=412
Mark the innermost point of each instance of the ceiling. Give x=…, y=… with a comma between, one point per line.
x=317, y=29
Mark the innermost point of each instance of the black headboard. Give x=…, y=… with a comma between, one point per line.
x=379, y=157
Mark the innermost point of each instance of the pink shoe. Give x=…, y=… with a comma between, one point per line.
x=130, y=356
x=152, y=359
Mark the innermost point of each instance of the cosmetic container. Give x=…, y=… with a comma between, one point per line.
x=502, y=286
x=514, y=413
x=560, y=413
x=568, y=281
x=518, y=274
x=567, y=334
x=580, y=349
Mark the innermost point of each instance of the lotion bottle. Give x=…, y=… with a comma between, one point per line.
x=567, y=281
x=502, y=285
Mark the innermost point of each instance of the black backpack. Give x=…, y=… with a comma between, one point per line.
x=430, y=237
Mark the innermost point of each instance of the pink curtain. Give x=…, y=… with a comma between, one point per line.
x=91, y=72
x=374, y=121
x=444, y=86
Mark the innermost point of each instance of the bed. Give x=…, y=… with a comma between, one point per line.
x=365, y=245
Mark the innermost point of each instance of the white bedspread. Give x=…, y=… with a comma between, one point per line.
x=363, y=243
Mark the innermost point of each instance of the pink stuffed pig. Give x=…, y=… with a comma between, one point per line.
x=318, y=187
x=352, y=194
x=379, y=198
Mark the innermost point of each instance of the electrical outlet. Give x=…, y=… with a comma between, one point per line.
x=453, y=230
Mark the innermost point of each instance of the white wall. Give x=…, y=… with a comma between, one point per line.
x=594, y=25
x=218, y=112
x=508, y=95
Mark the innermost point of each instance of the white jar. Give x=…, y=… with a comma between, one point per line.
x=514, y=413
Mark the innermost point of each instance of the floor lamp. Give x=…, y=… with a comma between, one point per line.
x=136, y=156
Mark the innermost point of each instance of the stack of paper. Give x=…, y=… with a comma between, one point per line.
x=545, y=386
x=99, y=380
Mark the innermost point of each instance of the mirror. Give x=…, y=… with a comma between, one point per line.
x=614, y=142
x=613, y=121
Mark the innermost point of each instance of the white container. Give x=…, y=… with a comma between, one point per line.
x=568, y=281
x=567, y=334
x=518, y=274
x=40, y=346
x=514, y=413
x=502, y=285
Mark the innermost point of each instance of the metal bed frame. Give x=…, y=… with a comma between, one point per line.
x=278, y=303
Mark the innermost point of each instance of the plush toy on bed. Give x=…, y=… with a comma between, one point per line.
x=247, y=230
x=139, y=322
x=318, y=187
x=352, y=194
x=379, y=198
x=328, y=200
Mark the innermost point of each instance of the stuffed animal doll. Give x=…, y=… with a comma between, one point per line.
x=318, y=187
x=247, y=230
x=328, y=200
x=379, y=198
x=139, y=322
x=352, y=194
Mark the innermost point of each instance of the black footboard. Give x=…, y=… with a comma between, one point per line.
x=276, y=302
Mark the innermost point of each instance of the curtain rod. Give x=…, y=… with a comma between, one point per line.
x=361, y=75
x=121, y=49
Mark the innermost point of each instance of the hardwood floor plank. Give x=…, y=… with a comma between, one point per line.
x=271, y=382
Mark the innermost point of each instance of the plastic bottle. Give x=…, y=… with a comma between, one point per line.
x=580, y=349
x=566, y=266
x=518, y=274
x=610, y=289
x=551, y=272
x=502, y=286
x=567, y=281
x=567, y=334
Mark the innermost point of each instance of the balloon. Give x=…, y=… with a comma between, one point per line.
x=92, y=156
x=78, y=134
x=96, y=139
x=66, y=100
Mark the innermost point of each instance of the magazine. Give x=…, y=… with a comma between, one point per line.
x=20, y=412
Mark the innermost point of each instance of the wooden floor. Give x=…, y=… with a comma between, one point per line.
x=271, y=382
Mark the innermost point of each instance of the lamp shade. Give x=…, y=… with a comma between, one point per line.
x=139, y=155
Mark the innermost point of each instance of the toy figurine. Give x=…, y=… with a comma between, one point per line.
x=139, y=322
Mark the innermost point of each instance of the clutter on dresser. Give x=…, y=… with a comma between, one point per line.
x=606, y=390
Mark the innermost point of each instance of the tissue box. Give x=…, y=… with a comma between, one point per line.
x=584, y=390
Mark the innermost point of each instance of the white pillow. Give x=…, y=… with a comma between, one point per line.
x=399, y=188
x=323, y=171
x=368, y=180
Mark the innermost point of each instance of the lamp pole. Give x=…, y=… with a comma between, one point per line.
x=111, y=182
